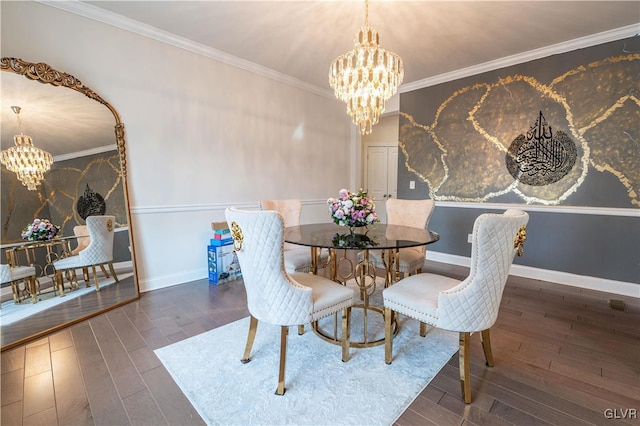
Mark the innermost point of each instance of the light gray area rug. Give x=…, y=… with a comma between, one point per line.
x=320, y=388
x=12, y=312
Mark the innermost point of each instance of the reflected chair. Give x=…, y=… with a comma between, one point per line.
x=15, y=274
x=98, y=252
x=296, y=258
x=409, y=260
x=273, y=295
x=83, y=240
x=466, y=306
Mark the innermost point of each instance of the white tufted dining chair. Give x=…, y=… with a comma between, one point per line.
x=413, y=213
x=296, y=258
x=83, y=239
x=273, y=295
x=466, y=306
x=98, y=252
x=15, y=274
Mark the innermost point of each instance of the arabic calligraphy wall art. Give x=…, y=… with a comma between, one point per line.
x=466, y=140
x=90, y=203
x=542, y=156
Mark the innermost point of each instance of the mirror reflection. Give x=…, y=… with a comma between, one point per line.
x=49, y=221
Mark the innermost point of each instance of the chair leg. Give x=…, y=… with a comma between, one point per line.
x=346, y=330
x=85, y=276
x=486, y=346
x=95, y=277
x=301, y=329
x=388, y=338
x=32, y=289
x=113, y=272
x=15, y=289
x=60, y=282
x=423, y=329
x=104, y=271
x=464, y=367
x=284, y=330
x=253, y=326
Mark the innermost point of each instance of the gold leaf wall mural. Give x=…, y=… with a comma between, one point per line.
x=56, y=200
x=460, y=152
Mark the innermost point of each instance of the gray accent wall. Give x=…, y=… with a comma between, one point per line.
x=604, y=244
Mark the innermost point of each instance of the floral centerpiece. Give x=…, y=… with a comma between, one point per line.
x=352, y=209
x=40, y=230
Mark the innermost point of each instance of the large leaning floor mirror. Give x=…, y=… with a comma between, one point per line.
x=67, y=249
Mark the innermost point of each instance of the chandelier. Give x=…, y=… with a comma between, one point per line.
x=366, y=77
x=24, y=159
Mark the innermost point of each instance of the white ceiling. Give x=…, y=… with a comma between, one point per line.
x=295, y=41
x=301, y=38
x=59, y=120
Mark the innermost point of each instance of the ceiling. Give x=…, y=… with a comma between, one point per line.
x=301, y=38
x=59, y=120
x=295, y=41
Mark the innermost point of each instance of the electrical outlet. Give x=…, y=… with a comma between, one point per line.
x=470, y=238
x=412, y=184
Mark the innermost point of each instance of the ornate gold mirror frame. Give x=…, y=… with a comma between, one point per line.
x=45, y=74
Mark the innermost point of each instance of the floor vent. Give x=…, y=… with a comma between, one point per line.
x=618, y=305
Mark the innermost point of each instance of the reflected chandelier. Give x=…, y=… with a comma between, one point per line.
x=366, y=77
x=24, y=159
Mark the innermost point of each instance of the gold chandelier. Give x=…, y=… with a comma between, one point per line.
x=366, y=77
x=24, y=159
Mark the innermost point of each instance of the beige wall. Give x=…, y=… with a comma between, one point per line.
x=201, y=135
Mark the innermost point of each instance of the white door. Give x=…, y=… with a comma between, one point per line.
x=382, y=176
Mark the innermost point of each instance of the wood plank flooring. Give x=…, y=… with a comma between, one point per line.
x=69, y=310
x=562, y=355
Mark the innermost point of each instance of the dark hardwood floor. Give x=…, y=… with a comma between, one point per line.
x=69, y=310
x=562, y=356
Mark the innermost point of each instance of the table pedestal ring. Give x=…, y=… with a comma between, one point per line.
x=389, y=239
x=334, y=336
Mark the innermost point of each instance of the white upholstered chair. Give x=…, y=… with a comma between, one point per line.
x=296, y=258
x=98, y=252
x=413, y=213
x=273, y=295
x=15, y=274
x=83, y=239
x=464, y=306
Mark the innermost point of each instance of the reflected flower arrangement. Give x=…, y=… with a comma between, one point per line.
x=353, y=240
x=40, y=230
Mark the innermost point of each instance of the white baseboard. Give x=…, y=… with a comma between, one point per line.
x=128, y=264
x=582, y=281
x=171, y=280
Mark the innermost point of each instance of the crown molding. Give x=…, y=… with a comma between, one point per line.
x=92, y=151
x=136, y=27
x=520, y=58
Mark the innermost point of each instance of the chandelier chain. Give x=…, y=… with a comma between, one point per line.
x=366, y=13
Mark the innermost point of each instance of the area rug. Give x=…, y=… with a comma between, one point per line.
x=320, y=388
x=12, y=312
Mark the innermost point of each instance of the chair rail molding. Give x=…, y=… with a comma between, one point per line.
x=595, y=211
x=558, y=277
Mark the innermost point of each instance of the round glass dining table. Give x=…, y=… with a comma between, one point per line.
x=358, y=268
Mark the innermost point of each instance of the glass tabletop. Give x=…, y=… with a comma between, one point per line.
x=378, y=236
